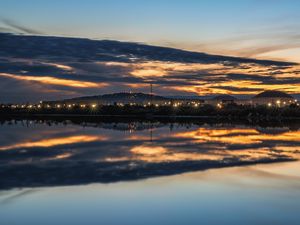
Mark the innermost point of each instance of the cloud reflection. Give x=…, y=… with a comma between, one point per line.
x=108, y=152
x=51, y=142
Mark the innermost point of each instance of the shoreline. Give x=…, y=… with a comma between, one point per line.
x=84, y=118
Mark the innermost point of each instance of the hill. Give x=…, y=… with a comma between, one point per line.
x=122, y=97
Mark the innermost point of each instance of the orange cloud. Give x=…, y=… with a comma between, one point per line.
x=207, y=85
x=55, y=81
x=159, y=69
x=216, y=88
x=60, y=66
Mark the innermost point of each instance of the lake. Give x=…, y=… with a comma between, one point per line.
x=149, y=172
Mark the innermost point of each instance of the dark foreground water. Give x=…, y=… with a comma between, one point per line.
x=148, y=173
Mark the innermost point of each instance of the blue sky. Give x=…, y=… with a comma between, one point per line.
x=216, y=26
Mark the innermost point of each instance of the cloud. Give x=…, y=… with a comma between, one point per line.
x=78, y=66
x=55, y=81
x=5, y=30
x=15, y=26
x=256, y=43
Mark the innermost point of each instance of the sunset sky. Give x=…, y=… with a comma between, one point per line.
x=42, y=68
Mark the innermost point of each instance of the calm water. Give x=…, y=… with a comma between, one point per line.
x=148, y=173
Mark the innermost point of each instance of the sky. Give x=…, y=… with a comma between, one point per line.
x=260, y=29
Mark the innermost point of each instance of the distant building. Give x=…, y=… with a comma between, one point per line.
x=118, y=99
x=221, y=99
x=269, y=98
x=273, y=98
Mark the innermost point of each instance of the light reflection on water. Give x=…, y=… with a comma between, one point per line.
x=42, y=160
x=109, y=152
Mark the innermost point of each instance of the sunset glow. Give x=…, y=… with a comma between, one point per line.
x=54, y=81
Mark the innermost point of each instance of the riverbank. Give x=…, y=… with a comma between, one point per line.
x=231, y=111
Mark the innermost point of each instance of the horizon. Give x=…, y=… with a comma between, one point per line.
x=192, y=97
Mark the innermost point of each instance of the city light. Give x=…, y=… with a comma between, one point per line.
x=271, y=102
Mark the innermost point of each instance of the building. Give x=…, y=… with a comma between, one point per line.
x=221, y=99
x=273, y=98
x=268, y=98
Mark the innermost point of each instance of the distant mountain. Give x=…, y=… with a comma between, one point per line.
x=119, y=97
x=142, y=98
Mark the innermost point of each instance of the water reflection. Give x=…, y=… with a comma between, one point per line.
x=51, y=153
